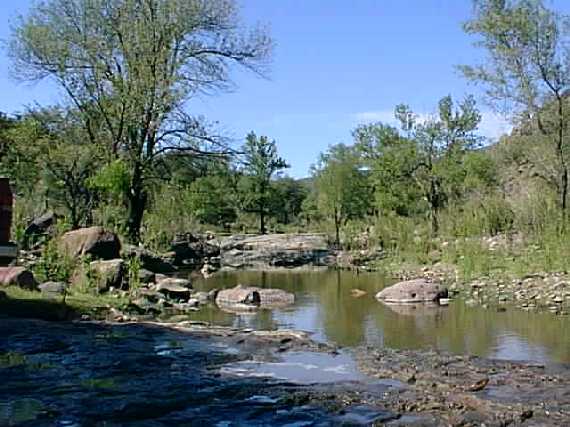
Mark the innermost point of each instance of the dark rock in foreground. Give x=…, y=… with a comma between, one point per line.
x=412, y=291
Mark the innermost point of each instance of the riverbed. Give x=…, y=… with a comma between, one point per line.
x=326, y=307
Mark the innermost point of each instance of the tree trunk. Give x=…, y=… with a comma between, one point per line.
x=262, y=221
x=137, y=199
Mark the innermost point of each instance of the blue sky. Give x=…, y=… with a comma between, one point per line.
x=337, y=63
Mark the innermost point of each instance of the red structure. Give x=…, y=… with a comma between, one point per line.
x=6, y=202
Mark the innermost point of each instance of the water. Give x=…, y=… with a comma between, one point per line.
x=325, y=306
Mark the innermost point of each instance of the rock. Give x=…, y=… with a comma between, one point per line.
x=357, y=293
x=201, y=297
x=412, y=291
x=253, y=296
x=3, y=296
x=274, y=250
x=110, y=273
x=193, y=250
x=149, y=260
x=53, y=289
x=17, y=276
x=93, y=241
x=178, y=289
x=146, y=276
x=39, y=226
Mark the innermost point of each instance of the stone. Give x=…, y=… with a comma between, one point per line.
x=108, y=274
x=202, y=297
x=3, y=296
x=149, y=260
x=357, y=293
x=413, y=291
x=190, y=249
x=146, y=276
x=254, y=296
x=39, y=226
x=274, y=251
x=53, y=289
x=93, y=241
x=174, y=288
x=17, y=276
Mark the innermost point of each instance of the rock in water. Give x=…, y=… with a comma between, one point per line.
x=178, y=289
x=93, y=241
x=254, y=296
x=412, y=291
x=17, y=276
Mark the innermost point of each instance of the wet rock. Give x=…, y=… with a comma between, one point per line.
x=357, y=293
x=254, y=296
x=274, y=251
x=201, y=297
x=108, y=274
x=94, y=241
x=17, y=276
x=53, y=289
x=3, y=296
x=413, y=291
x=178, y=289
x=150, y=261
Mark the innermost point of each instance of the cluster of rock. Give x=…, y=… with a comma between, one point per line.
x=273, y=251
x=533, y=292
x=248, y=298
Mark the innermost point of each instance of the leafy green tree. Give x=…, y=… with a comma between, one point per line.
x=211, y=201
x=288, y=197
x=261, y=163
x=390, y=159
x=441, y=143
x=527, y=71
x=131, y=66
x=342, y=190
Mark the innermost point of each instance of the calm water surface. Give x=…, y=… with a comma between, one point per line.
x=324, y=306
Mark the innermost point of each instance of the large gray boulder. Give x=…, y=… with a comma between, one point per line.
x=274, y=251
x=17, y=276
x=94, y=241
x=53, y=289
x=108, y=273
x=413, y=291
x=189, y=249
x=173, y=288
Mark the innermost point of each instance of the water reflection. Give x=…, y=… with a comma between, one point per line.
x=324, y=305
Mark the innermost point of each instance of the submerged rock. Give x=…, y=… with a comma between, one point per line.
x=94, y=241
x=413, y=291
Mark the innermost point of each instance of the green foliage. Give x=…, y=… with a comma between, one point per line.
x=261, y=163
x=54, y=264
x=212, y=201
x=341, y=187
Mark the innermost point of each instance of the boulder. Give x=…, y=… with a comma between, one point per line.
x=17, y=276
x=413, y=291
x=39, y=226
x=149, y=260
x=171, y=289
x=274, y=250
x=146, y=276
x=53, y=289
x=93, y=241
x=109, y=273
x=254, y=296
x=189, y=249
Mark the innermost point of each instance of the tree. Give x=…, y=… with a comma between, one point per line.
x=341, y=186
x=441, y=144
x=528, y=69
x=131, y=66
x=390, y=159
x=261, y=162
